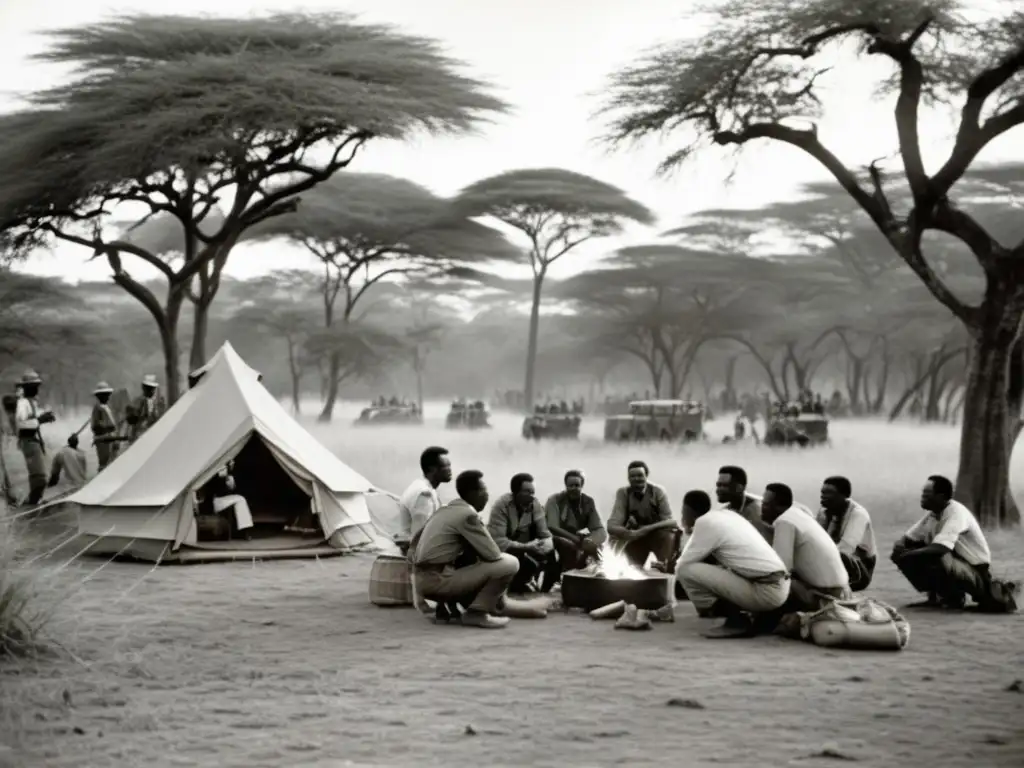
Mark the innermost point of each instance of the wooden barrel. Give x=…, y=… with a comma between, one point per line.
x=391, y=581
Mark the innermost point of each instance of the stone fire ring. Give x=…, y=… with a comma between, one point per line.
x=589, y=591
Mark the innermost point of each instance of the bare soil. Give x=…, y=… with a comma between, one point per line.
x=287, y=663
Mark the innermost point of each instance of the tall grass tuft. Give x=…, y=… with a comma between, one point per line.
x=29, y=596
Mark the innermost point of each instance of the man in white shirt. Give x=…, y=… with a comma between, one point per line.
x=945, y=554
x=807, y=551
x=420, y=500
x=28, y=417
x=849, y=525
x=728, y=569
x=70, y=462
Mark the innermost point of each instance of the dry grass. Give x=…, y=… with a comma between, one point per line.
x=287, y=664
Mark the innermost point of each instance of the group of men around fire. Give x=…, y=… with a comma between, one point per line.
x=749, y=561
x=109, y=432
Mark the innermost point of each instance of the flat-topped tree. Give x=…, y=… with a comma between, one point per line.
x=755, y=72
x=364, y=228
x=177, y=114
x=557, y=210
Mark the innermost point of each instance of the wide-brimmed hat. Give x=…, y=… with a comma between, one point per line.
x=149, y=380
x=103, y=389
x=30, y=377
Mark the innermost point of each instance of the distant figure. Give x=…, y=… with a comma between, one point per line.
x=103, y=425
x=28, y=417
x=147, y=408
x=72, y=462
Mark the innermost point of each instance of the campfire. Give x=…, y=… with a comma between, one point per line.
x=613, y=578
x=613, y=564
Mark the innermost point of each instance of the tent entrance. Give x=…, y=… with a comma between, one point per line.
x=282, y=512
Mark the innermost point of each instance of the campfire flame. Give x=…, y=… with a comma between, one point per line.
x=613, y=564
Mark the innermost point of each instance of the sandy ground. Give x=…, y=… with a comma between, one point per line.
x=287, y=664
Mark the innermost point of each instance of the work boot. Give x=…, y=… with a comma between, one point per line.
x=483, y=620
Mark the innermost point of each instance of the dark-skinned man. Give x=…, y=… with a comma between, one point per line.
x=805, y=548
x=457, y=563
x=946, y=556
x=849, y=526
x=641, y=520
x=103, y=425
x=575, y=525
x=28, y=417
x=519, y=527
x=146, y=409
x=731, y=490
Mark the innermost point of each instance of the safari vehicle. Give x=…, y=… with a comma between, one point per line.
x=555, y=426
x=468, y=416
x=376, y=416
x=647, y=420
x=805, y=429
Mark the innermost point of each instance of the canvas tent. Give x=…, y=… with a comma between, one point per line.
x=144, y=503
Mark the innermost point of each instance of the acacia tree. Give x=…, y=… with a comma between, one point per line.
x=660, y=304
x=177, y=114
x=756, y=69
x=557, y=210
x=364, y=228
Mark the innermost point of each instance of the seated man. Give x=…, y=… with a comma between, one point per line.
x=641, y=520
x=420, y=499
x=575, y=526
x=519, y=527
x=72, y=462
x=457, y=563
x=849, y=526
x=807, y=551
x=731, y=490
x=222, y=490
x=945, y=555
x=728, y=569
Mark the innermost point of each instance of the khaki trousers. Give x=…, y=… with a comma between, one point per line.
x=478, y=587
x=705, y=584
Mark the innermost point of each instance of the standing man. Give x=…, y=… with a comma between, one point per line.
x=147, y=408
x=103, y=425
x=455, y=560
x=72, y=462
x=641, y=520
x=575, y=526
x=519, y=527
x=731, y=490
x=420, y=500
x=849, y=525
x=945, y=555
x=27, y=419
x=808, y=552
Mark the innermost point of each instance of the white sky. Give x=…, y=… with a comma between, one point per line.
x=546, y=57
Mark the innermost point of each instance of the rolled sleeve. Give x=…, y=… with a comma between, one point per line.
x=952, y=528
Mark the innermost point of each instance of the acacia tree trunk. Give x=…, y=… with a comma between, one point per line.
x=531, y=343
x=333, y=387
x=991, y=416
x=200, y=328
x=168, y=325
x=296, y=376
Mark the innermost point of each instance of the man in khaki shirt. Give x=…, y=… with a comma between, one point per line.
x=455, y=559
x=641, y=520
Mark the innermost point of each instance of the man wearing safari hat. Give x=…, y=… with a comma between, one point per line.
x=28, y=417
x=103, y=425
x=147, y=408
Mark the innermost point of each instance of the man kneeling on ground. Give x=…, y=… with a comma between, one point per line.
x=849, y=526
x=519, y=527
x=457, y=562
x=808, y=552
x=945, y=555
x=576, y=527
x=641, y=520
x=727, y=568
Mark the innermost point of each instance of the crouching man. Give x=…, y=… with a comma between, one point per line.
x=727, y=568
x=575, y=526
x=945, y=555
x=457, y=563
x=641, y=521
x=519, y=527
